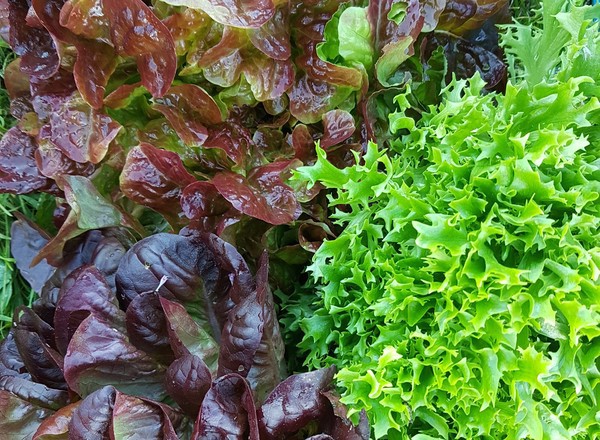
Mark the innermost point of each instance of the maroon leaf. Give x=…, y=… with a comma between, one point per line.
x=233, y=138
x=237, y=13
x=187, y=381
x=56, y=426
x=82, y=133
x=273, y=37
x=27, y=239
x=18, y=171
x=20, y=419
x=85, y=18
x=92, y=418
x=227, y=411
x=147, y=327
x=99, y=355
x=53, y=163
x=201, y=199
x=268, y=365
x=222, y=63
x=137, y=32
x=262, y=194
x=294, y=403
x=338, y=126
x=85, y=291
x=39, y=57
x=155, y=178
x=96, y=61
x=461, y=16
x=310, y=99
x=187, y=337
x=268, y=78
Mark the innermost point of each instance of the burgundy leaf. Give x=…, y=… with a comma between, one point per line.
x=294, y=403
x=461, y=16
x=431, y=10
x=96, y=61
x=39, y=57
x=303, y=143
x=234, y=139
x=54, y=163
x=237, y=13
x=147, y=327
x=20, y=419
x=222, y=63
x=201, y=199
x=268, y=367
x=189, y=27
x=135, y=418
x=262, y=194
x=188, y=108
x=310, y=99
x=320, y=70
x=92, y=418
x=99, y=354
x=18, y=171
x=33, y=392
x=56, y=426
x=273, y=37
x=10, y=358
x=82, y=133
x=227, y=411
x=137, y=32
x=26, y=240
x=85, y=291
x=338, y=126
x=85, y=18
x=187, y=337
x=155, y=178
x=187, y=381
x=268, y=78
x=339, y=426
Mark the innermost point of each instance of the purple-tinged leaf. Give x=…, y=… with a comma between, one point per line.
x=108, y=253
x=35, y=46
x=19, y=419
x=85, y=18
x=36, y=393
x=92, y=418
x=319, y=70
x=273, y=37
x=303, y=144
x=268, y=367
x=10, y=357
x=4, y=20
x=84, y=292
x=137, y=32
x=147, y=327
x=187, y=337
x=262, y=194
x=189, y=27
x=339, y=426
x=155, y=178
x=233, y=138
x=294, y=403
x=201, y=199
x=56, y=427
x=323, y=437
x=189, y=108
x=236, y=13
x=53, y=163
x=42, y=362
x=431, y=11
x=187, y=381
x=222, y=63
x=227, y=411
x=26, y=240
x=82, y=133
x=18, y=171
x=96, y=61
x=134, y=418
x=310, y=99
x=269, y=78
x=338, y=126
x=461, y=16
x=99, y=355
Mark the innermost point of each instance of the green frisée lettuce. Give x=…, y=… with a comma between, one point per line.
x=462, y=298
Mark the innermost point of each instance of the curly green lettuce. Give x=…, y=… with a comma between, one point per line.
x=462, y=299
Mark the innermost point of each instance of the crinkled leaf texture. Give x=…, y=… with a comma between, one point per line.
x=465, y=280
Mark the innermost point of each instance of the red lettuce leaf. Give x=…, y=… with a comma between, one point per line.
x=147, y=327
x=35, y=46
x=338, y=126
x=80, y=132
x=269, y=78
x=273, y=37
x=20, y=419
x=234, y=139
x=461, y=16
x=137, y=32
x=237, y=13
x=56, y=427
x=100, y=355
x=26, y=240
x=227, y=411
x=201, y=199
x=92, y=418
x=19, y=173
x=85, y=291
x=187, y=381
x=294, y=403
x=85, y=18
x=262, y=194
x=155, y=178
x=187, y=336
